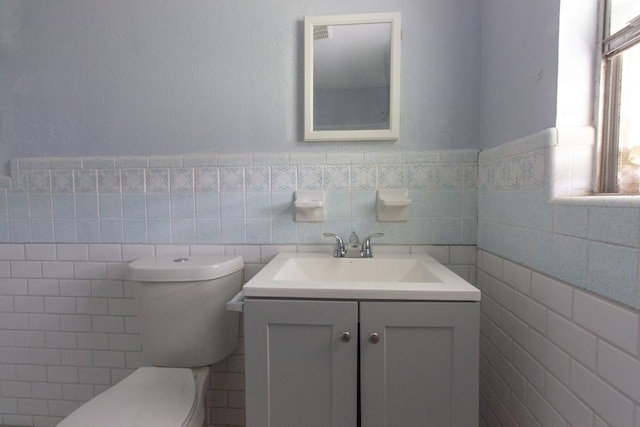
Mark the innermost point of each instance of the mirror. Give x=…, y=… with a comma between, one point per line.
x=352, y=77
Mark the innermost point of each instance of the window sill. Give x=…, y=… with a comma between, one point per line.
x=605, y=200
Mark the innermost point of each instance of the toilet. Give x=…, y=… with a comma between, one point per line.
x=184, y=328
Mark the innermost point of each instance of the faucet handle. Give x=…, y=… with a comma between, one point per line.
x=339, y=250
x=365, y=251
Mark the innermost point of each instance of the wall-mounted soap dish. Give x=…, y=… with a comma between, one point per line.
x=309, y=205
x=393, y=205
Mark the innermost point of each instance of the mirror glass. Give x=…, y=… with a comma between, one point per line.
x=352, y=73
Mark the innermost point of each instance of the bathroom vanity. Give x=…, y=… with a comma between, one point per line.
x=323, y=348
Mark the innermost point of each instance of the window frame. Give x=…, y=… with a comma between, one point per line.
x=612, y=46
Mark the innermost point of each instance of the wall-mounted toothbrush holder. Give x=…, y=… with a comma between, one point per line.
x=393, y=205
x=309, y=205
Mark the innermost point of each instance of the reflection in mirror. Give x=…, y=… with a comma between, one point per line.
x=352, y=77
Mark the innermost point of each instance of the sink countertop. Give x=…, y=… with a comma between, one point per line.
x=418, y=277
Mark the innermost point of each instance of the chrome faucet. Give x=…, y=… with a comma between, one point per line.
x=354, y=240
x=365, y=251
x=339, y=250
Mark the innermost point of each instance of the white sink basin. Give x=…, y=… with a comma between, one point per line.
x=386, y=276
x=355, y=270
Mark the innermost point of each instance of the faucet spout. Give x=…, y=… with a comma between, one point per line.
x=354, y=240
x=339, y=250
x=365, y=251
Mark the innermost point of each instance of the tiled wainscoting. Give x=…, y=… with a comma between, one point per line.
x=553, y=354
x=68, y=327
x=236, y=199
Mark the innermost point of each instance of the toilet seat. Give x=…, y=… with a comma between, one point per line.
x=159, y=397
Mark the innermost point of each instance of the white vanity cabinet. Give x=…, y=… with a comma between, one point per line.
x=361, y=363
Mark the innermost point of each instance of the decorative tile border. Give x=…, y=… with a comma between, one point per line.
x=235, y=198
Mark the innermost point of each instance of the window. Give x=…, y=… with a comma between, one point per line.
x=620, y=159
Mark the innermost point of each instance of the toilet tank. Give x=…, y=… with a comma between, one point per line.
x=181, y=305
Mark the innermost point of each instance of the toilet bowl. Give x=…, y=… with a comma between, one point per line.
x=184, y=328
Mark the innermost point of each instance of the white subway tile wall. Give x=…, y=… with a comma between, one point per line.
x=66, y=337
x=554, y=354
x=560, y=330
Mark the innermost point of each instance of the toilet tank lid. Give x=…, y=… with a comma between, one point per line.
x=169, y=268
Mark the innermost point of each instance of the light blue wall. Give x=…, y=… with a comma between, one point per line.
x=519, y=69
x=150, y=77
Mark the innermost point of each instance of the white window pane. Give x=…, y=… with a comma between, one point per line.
x=622, y=11
x=629, y=122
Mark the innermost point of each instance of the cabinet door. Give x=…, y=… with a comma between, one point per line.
x=299, y=372
x=423, y=371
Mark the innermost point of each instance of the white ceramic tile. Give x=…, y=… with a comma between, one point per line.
x=533, y=313
x=517, y=276
x=26, y=269
x=29, y=339
x=111, y=324
x=270, y=159
x=307, y=158
x=62, y=374
x=566, y=403
x=105, y=252
x=235, y=159
x=532, y=370
x=420, y=176
x=165, y=162
x=57, y=269
x=93, y=341
x=619, y=368
x=111, y=359
x=132, y=162
x=62, y=181
x=73, y=252
x=42, y=356
x=109, y=181
x=551, y=293
x=232, y=179
x=182, y=180
x=45, y=392
x=200, y=160
x=40, y=252
x=391, y=176
x=122, y=307
x=283, y=178
x=28, y=304
x=337, y=177
x=502, y=293
x=9, y=251
x=107, y=288
x=612, y=406
x=133, y=181
x=90, y=270
x=310, y=177
x=157, y=180
x=542, y=410
x=364, y=177
x=94, y=375
x=576, y=341
x=124, y=342
x=75, y=322
x=258, y=178
x=59, y=339
x=59, y=305
x=611, y=322
x=515, y=328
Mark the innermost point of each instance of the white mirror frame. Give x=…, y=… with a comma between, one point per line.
x=393, y=133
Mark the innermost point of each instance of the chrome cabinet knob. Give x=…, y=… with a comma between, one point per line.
x=373, y=338
x=345, y=337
